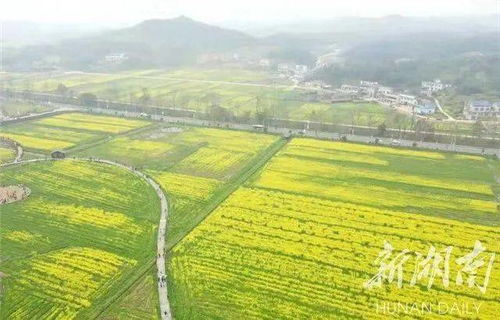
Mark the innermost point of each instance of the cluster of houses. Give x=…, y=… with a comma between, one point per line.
x=115, y=58
x=294, y=72
x=482, y=110
x=431, y=87
x=283, y=69
x=369, y=90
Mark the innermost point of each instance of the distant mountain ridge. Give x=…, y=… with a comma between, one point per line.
x=151, y=43
x=183, y=32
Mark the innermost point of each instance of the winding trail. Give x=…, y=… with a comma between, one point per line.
x=438, y=104
x=162, y=226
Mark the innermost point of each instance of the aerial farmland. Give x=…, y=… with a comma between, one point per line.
x=249, y=160
x=252, y=216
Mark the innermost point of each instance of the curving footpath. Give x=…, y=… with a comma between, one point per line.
x=160, y=254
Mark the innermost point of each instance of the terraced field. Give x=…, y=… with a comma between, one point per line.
x=67, y=130
x=300, y=240
x=83, y=236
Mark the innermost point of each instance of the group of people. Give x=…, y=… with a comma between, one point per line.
x=162, y=281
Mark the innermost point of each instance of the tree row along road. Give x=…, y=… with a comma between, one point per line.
x=307, y=133
x=276, y=130
x=162, y=226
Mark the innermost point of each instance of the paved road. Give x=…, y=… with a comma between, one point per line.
x=162, y=227
x=309, y=133
x=65, y=108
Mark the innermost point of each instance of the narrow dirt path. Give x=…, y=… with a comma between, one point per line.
x=438, y=104
x=162, y=227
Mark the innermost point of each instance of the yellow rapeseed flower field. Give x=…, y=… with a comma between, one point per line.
x=302, y=239
x=80, y=237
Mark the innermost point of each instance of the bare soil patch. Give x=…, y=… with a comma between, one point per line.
x=9, y=194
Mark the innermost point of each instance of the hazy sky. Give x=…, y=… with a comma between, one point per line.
x=233, y=10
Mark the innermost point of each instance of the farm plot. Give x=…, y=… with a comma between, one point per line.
x=6, y=154
x=188, y=88
x=76, y=241
x=193, y=165
x=366, y=114
x=67, y=130
x=93, y=123
x=301, y=240
x=197, y=89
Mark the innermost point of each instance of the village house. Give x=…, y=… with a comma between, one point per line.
x=348, y=89
x=368, y=84
x=407, y=99
x=384, y=91
x=116, y=58
x=429, y=87
x=387, y=99
x=368, y=88
x=481, y=109
x=425, y=107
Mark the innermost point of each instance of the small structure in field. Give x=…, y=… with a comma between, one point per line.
x=58, y=154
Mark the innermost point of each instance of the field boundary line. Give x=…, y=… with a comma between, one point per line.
x=160, y=253
x=258, y=162
x=82, y=147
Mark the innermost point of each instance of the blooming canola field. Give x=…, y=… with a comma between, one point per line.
x=67, y=130
x=193, y=165
x=259, y=227
x=303, y=238
x=84, y=234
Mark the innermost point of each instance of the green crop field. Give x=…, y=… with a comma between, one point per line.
x=197, y=168
x=193, y=165
x=369, y=114
x=68, y=250
x=66, y=131
x=258, y=228
x=192, y=89
x=6, y=154
x=300, y=239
